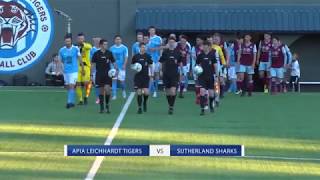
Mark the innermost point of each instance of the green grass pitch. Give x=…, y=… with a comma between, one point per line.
x=34, y=126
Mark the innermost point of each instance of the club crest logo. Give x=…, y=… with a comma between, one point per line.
x=26, y=30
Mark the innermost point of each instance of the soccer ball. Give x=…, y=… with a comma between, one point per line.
x=198, y=70
x=136, y=67
x=112, y=73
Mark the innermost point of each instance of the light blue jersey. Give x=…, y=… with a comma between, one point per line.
x=232, y=55
x=120, y=53
x=154, y=42
x=135, y=48
x=69, y=58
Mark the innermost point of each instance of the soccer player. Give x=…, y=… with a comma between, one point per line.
x=170, y=60
x=208, y=61
x=221, y=61
x=120, y=53
x=83, y=82
x=185, y=51
x=135, y=46
x=196, y=51
x=154, y=48
x=289, y=60
x=142, y=78
x=95, y=48
x=295, y=73
x=246, y=60
x=263, y=60
x=278, y=62
x=232, y=75
x=102, y=61
x=71, y=58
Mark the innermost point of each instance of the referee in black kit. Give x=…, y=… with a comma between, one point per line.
x=102, y=61
x=171, y=60
x=142, y=78
x=207, y=60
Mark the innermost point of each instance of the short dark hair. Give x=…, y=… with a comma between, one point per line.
x=152, y=27
x=182, y=36
x=102, y=41
x=206, y=43
x=54, y=55
x=171, y=38
x=276, y=37
x=68, y=36
x=81, y=34
x=142, y=44
x=117, y=36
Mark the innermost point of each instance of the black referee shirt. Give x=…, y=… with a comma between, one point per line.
x=207, y=61
x=145, y=60
x=171, y=60
x=103, y=61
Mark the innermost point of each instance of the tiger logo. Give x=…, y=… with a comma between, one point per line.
x=16, y=22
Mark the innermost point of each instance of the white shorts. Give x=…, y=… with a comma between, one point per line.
x=70, y=78
x=121, y=75
x=232, y=72
x=156, y=67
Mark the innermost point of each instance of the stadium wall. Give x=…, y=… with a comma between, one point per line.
x=106, y=18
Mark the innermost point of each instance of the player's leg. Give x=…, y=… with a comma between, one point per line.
x=79, y=87
x=156, y=79
x=263, y=76
x=172, y=97
x=181, y=84
x=87, y=84
x=240, y=79
x=202, y=100
x=101, y=97
x=145, y=98
x=96, y=88
x=139, y=100
x=281, y=78
x=211, y=94
x=250, y=72
x=273, y=76
x=122, y=81
x=114, y=88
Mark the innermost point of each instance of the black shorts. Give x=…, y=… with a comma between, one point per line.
x=206, y=83
x=141, y=82
x=103, y=79
x=170, y=82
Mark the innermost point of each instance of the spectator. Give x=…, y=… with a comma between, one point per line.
x=54, y=72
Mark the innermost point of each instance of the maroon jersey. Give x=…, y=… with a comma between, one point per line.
x=247, y=53
x=277, y=57
x=199, y=50
x=265, y=51
x=184, y=52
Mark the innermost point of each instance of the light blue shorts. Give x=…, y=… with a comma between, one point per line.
x=245, y=69
x=277, y=73
x=264, y=66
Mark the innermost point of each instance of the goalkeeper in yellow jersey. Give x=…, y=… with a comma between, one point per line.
x=83, y=83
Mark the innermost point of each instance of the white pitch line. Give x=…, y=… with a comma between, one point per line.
x=96, y=164
x=283, y=158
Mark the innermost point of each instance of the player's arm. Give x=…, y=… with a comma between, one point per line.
x=285, y=57
x=259, y=53
x=93, y=63
x=150, y=67
x=227, y=55
x=221, y=55
x=254, y=56
x=239, y=54
x=289, y=54
x=126, y=55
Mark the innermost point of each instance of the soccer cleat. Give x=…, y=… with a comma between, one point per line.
x=72, y=105
x=68, y=106
x=239, y=92
x=139, y=111
x=80, y=103
x=184, y=90
x=206, y=107
x=202, y=112
x=97, y=101
x=124, y=94
x=114, y=97
x=108, y=109
x=85, y=102
x=145, y=108
x=170, y=112
x=266, y=90
x=155, y=95
x=243, y=93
